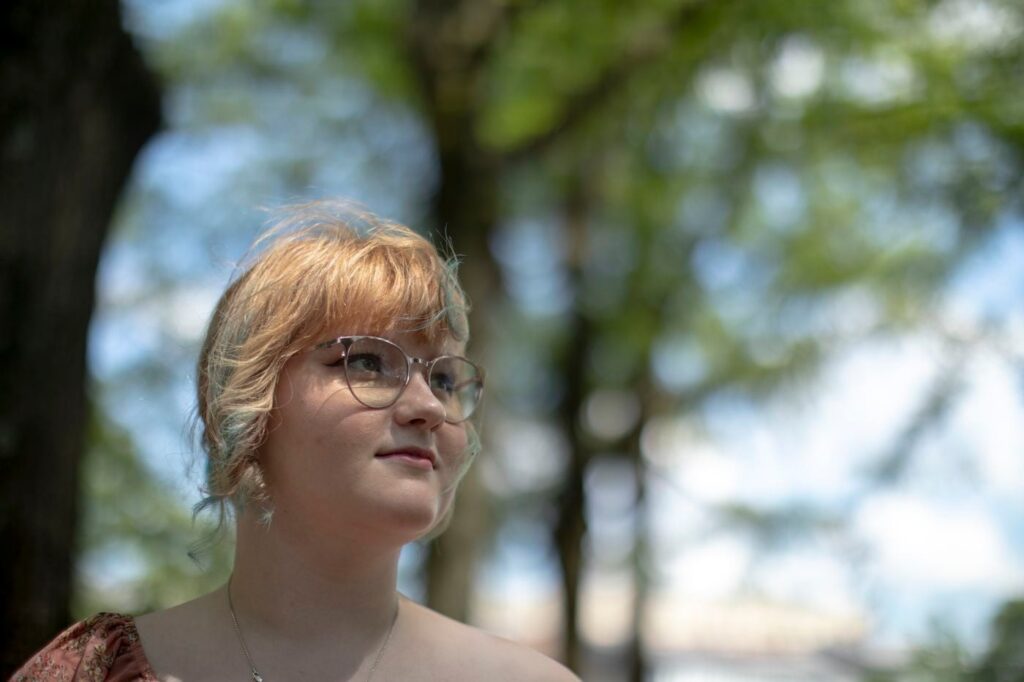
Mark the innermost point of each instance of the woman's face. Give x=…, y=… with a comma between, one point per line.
x=333, y=465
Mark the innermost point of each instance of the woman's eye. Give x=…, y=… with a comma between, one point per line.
x=443, y=382
x=365, y=362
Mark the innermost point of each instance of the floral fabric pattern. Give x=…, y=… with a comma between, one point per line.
x=104, y=647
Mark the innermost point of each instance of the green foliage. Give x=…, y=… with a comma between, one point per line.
x=368, y=41
x=135, y=534
x=1004, y=660
x=776, y=529
x=943, y=658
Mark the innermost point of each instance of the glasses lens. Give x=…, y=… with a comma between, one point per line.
x=376, y=371
x=457, y=384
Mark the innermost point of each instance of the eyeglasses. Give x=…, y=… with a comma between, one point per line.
x=377, y=371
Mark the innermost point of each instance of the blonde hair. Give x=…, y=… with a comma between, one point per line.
x=321, y=265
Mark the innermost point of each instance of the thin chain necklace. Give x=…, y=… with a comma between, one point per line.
x=256, y=677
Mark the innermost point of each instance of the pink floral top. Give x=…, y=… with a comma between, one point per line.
x=104, y=647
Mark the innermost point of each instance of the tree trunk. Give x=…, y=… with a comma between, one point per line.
x=77, y=105
x=639, y=666
x=570, y=526
x=464, y=211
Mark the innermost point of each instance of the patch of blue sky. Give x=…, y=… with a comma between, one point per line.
x=525, y=455
x=720, y=264
x=516, y=568
x=987, y=428
x=930, y=164
x=410, y=568
x=781, y=195
x=979, y=150
x=697, y=138
x=112, y=568
x=139, y=312
x=159, y=433
x=904, y=616
x=121, y=275
x=302, y=48
x=934, y=557
x=196, y=169
x=989, y=285
x=532, y=255
x=678, y=362
x=164, y=19
x=611, y=512
x=677, y=519
x=876, y=79
x=121, y=335
x=116, y=345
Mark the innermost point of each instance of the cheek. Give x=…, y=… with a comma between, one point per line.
x=453, y=444
x=455, y=438
x=304, y=430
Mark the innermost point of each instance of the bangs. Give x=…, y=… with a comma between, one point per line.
x=390, y=282
x=390, y=289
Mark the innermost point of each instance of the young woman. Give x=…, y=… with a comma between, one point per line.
x=334, y=402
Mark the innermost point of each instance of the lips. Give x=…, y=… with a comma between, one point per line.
x=412, y=455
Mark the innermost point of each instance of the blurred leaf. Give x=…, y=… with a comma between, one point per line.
x=135, y=535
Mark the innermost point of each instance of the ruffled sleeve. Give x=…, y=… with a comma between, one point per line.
x=104, y=647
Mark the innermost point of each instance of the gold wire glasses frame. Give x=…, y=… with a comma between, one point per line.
x=378, y=371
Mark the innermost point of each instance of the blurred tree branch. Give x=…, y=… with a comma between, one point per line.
x=645, y=49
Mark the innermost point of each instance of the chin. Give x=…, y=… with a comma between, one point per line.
x=413, y=521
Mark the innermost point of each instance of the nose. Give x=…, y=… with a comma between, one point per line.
x=418, y=406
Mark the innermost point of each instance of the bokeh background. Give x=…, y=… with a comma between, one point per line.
x=748, y=281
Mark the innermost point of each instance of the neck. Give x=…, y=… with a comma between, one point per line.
x=293, y=589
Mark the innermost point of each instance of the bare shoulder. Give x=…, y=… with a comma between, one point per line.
x=470, y=653
x=187, y=642
x=183, y=623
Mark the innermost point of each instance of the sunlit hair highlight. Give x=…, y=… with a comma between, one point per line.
x=322, y=268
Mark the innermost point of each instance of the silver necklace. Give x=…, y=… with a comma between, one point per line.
x=256, y=677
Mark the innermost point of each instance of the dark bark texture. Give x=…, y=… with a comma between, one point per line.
x=76, y=105
x=570, y=527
